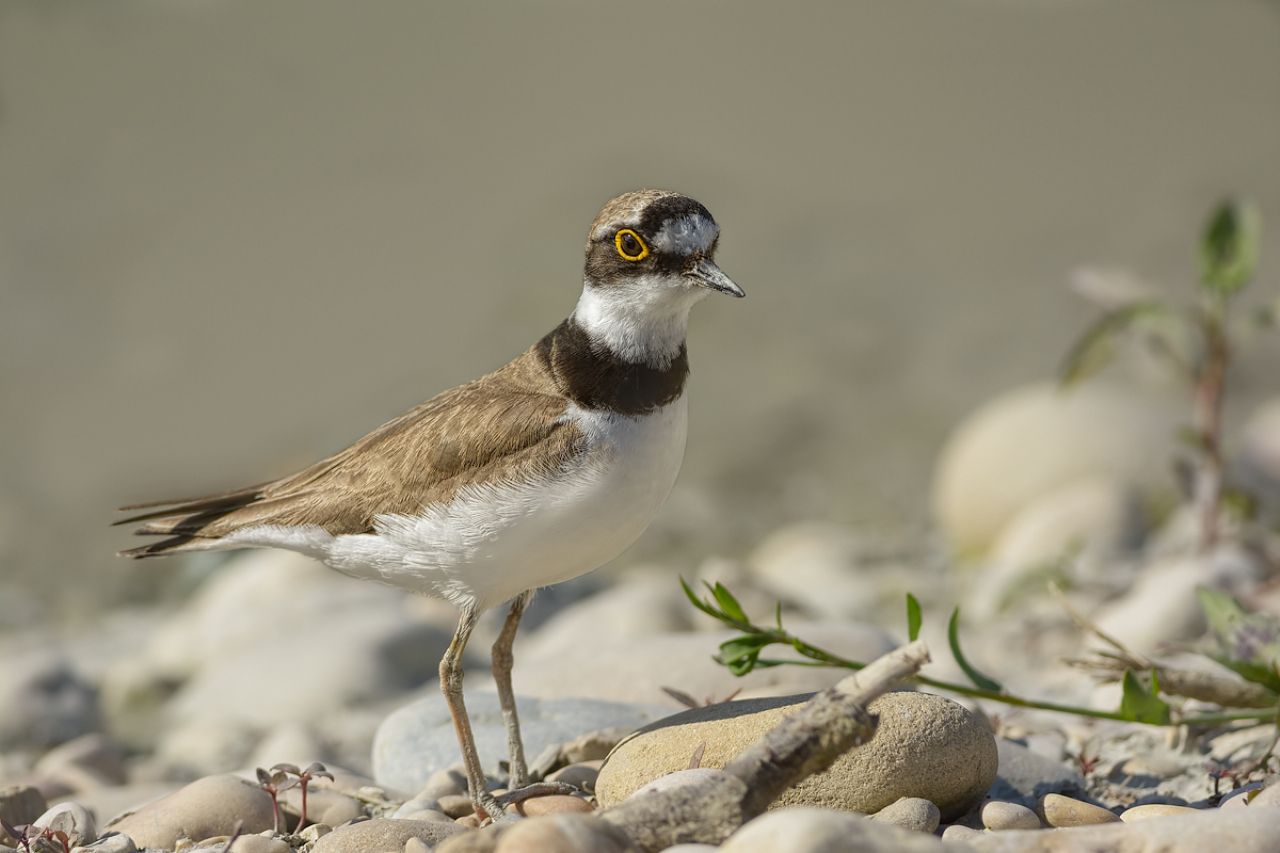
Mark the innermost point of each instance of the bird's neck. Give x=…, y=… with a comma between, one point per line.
x=640, y=322
x=606, y=356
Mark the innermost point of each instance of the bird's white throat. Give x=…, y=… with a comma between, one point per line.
x=643, y=320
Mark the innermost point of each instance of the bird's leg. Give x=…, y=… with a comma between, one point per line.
x=518, y=787
x=451, y=686
x=502, y=662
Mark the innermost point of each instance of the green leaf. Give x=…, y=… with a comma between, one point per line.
x=914, y=619
x=740, y=654
x=979, y=680
x=1230, y=247
x=1094, y=349
x=1258, y=673
x=1141, y=706
x=728, y=604
x=1221, y=611
x=696, y=601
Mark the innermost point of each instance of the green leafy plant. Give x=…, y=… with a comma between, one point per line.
x=1144, y=684
x=1197, y=341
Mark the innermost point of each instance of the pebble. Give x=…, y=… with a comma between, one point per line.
x=449, y=780
x=315, y=832
x=73, y=819
x=245, y=844
x=911, y=813
x=416, y=845
x=553, y=804
x=802, y=829
x=381, y=834
x=563, y=833
x=324, y=805
x=456, y=805
x=1134, y=814
x=960, y=832
x=417, y=804
x=927, y=746
x=1060, y=811
x=999, y=815
x=1246, y=831
x=582, y=775
x=418, y=739
x=113, y=842
x=205, y=808
x=20, y=804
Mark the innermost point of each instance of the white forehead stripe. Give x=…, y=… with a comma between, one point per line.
x=685, y=235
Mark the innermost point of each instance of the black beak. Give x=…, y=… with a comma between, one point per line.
x=705, y=273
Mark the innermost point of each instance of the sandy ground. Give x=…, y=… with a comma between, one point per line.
x=236, y=235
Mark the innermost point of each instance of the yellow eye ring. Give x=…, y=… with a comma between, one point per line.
x=630, y=245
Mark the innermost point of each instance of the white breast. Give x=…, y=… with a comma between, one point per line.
x=490, y=542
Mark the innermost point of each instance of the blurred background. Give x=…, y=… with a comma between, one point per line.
x=234, y=235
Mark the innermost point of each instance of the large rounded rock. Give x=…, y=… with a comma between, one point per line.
x=926, y=746
x=1035, y=439
x=810, y=830
x=205, y=808
x=418, y=739
x=383, y=834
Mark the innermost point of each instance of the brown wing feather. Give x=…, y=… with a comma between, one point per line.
x=506, y=425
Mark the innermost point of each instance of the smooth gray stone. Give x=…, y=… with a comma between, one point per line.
x=418, y=739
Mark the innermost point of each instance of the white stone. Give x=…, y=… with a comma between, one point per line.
x=1034, y=439
x=805, y=829
x=1162, y=605
x=1093, y=519
x=73, y=819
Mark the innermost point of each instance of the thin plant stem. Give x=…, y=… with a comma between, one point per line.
x=821, y=657
x=1207, y=419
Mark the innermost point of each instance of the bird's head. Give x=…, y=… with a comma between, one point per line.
x=650, y=257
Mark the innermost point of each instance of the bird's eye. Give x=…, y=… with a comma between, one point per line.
x=630, y=245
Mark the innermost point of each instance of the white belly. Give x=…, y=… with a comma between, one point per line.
x=490, y=543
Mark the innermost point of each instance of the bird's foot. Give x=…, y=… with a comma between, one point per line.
x=502, y=807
